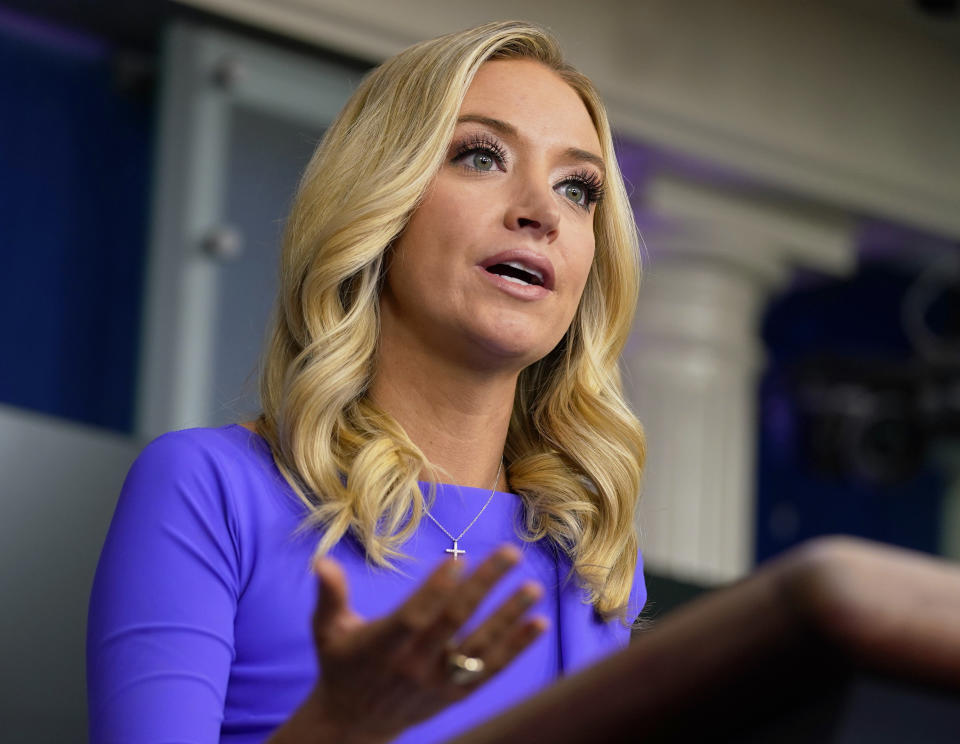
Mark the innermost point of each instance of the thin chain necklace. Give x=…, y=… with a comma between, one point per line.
x=457, y=552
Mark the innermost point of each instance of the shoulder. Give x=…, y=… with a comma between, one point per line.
x=205, y=455
x=205, y=446
x=200, y=467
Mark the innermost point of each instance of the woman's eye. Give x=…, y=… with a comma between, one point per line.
x=575, y=193
x=481, y=154
x=583, y=190
x=481, y=160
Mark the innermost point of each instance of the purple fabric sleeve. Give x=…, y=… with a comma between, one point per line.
x=199, y=623
x=161, y=640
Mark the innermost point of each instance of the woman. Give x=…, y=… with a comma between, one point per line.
x=458, y=279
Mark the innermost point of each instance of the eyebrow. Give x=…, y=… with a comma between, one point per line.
x=507, y=129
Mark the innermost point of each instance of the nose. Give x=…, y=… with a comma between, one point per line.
x=533, y=207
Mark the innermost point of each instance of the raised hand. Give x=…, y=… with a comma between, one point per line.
x=380, y=677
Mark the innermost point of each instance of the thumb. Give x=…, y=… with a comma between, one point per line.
x=332, y=596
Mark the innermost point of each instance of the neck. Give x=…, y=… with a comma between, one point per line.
x=457, y=416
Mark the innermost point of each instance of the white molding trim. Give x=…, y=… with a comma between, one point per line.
x=310, y=22
x=790, y=231
x=769, y=163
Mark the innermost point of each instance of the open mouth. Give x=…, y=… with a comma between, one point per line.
x=518, y=273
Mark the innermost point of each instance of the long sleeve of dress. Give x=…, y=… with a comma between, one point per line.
x=161, y=625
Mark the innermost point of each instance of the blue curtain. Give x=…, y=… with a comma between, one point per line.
x=74, y=176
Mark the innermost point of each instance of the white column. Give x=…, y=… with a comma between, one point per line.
x=692, y=366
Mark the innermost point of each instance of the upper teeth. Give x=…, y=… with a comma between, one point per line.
x=524, y=267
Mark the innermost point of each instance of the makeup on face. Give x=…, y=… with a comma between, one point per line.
x=492, y=263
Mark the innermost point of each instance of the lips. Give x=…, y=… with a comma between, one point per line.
x=521, y=267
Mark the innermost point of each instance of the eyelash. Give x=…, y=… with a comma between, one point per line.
x=482, y=143
x=589, y=181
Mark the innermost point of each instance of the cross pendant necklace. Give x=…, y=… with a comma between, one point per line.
x=456, y=550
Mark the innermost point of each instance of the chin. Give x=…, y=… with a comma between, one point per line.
x=509, y=339
x=517, y=352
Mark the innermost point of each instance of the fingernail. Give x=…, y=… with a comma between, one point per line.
x=506, y=560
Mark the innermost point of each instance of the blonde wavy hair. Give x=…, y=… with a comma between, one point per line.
x=574, y=450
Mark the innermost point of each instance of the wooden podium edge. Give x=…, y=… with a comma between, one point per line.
x=797, y=630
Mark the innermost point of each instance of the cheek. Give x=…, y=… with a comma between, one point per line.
x=437, y=229
x=415, y=252
x=582, y=264
x=578, y=268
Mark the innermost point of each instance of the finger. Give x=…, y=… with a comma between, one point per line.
x=419, y=611
x=513, y=644
x=498, y=625
x=463, y=602
x=333, y=599
x=472, y=592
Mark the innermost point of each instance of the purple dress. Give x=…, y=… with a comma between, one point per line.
x=199, y=627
